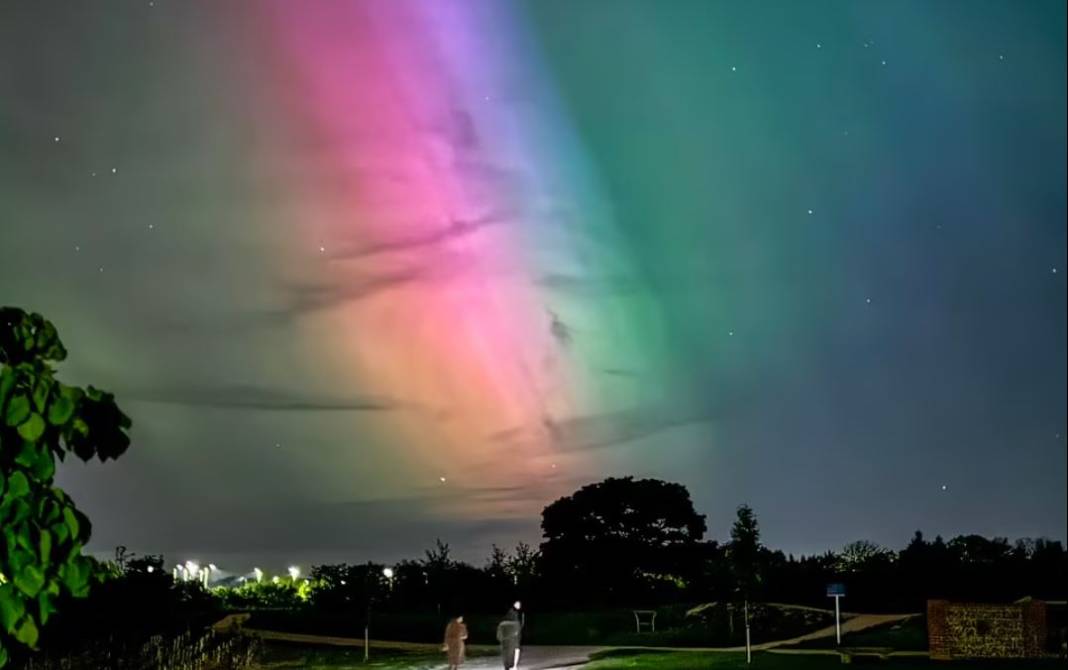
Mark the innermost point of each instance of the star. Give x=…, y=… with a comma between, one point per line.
x=322, y=250
x=1054, y=270
x=77, y=247
x=442, y=479
x=101, y=268
x=884, y=62
x=734, y=69
x=818, y=45
x=277, y=444
x=114, y=170
x=1001, y=56
x=151, y=226
x=867, y=300
x=92, y=174
x=810, y=212
x=944, y=487
x=56, y=138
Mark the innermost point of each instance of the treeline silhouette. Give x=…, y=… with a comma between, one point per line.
x=610, y=547
x=625, y=543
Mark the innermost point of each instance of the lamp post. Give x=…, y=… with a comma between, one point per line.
x=388, y=573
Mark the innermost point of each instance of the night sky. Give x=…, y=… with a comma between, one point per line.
x=368, y=274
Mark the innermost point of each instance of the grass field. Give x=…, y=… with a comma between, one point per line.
x=908, y=635
x=624, y=660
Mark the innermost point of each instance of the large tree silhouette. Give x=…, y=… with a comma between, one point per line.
x=614, y=541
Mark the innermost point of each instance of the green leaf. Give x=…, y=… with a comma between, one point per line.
x=17, y=512
x=61, y=409
x=32, y=428
x=72, y=521
x=44, y=547
x=27, y=633
x=37, y=458
x=40, y=392
x=12, y=607
x=46, y=606
x=75, y=576
x=7, y=382
x=29, y=580
x=18, y=485
x=17, y=410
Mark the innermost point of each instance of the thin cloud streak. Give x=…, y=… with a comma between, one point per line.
x=242, y=397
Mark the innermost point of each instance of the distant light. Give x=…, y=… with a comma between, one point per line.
x=274, y=580
x=387, y=573
x=343, y=582
x=294, y=572
x=517, y=605
x=258, y=574
x=151, y=569
x=56, y=138
x=442, y=479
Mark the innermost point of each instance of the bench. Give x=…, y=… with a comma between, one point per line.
x=847, y=654
x=646, y=618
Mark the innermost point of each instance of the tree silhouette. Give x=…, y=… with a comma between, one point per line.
x=612, y=539
x=744, y=552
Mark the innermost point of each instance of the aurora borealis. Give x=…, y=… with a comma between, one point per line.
x=370, y=273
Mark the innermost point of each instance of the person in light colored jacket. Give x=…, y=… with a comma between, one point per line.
x=509, y=631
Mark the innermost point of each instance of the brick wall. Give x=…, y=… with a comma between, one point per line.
x=973, y=630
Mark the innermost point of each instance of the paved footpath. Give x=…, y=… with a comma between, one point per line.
x=562, y=657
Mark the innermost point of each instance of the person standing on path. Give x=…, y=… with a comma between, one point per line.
x=508, y=633
x=455, y=634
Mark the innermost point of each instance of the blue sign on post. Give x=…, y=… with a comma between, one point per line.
x=837, y=591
